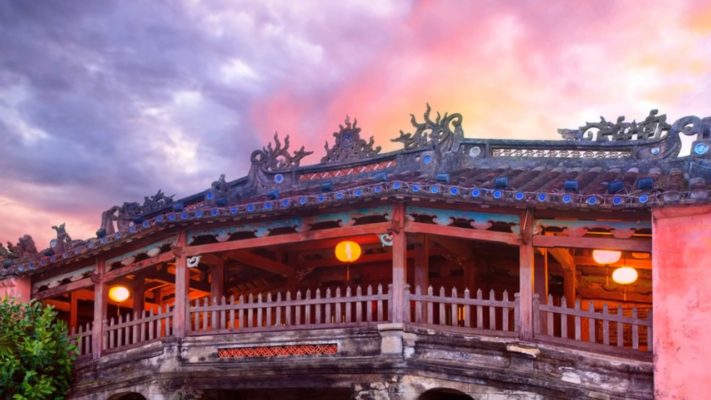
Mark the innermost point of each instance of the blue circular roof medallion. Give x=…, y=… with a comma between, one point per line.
x=268, y=205
x=209, y=195
x=644, y=198
x=234, y=210
x=146, y=224
x=340, y=196
x=415, y=187
x=454, y=191
x=434, y=188
x=519, y=196
x=542, y=197
x=567, y=199
x=198, y=213
x=497, y=194
x=701, y=148
x=160, y=218
x=427, y=159
x=278, y=178
x=215, y=212
x=184, y=215
x=358, y=192
x=321, y=198
x=397, y=185
x=476, y=193
x=132, y=228
x=303, y=200
x=250, y=207
x=171, y=217
x=285, y=203
x=617, y=200
x=378, y=189
x=592, y=200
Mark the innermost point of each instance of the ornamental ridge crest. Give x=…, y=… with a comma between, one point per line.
x=349, y=145
x=651, y=128
x=442, y=134
x=277, y=157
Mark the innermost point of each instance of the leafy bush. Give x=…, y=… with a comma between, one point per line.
x=36, y=356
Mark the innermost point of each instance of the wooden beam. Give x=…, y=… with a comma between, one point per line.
x=422, y=263
x=376, y=228
x=617, y=295
x=453, y=245
x=640, y=245
x=526, y=279
x=100, y=304
x=73, y=311
x=139, y=265
x=139, y=293
x=327, y=244
x=464, y=233
x=399, y=263
x=217, y=280
x=182, y=287
x=629, y=262
x=563, y=256
x=56, y=291
x=261, y=262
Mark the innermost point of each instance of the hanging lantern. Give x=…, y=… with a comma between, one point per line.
x=625, y=275
x=118, y=293
x=348, y=251
x=606, y=257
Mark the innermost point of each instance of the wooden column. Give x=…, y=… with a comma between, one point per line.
x=541, y=272
x=100, y=304
x=73, y=311
x=470, y=270
x=182, y=287
x=569, y=285
x=217, y=280
x=399, y=263
x=526, y=277
x=422, y=263
x=139, y=293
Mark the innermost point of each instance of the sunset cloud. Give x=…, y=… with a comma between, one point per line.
x=105, y=102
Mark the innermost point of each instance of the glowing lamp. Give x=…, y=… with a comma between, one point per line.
x=118, y=293
x=605, y=257
x=625, y=275
x=348, y=251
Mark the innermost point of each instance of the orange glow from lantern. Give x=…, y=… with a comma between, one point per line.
x=118, y=293
x=605, y=257
x=348, y=251
x=625, y=275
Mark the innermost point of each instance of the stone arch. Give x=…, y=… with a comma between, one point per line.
x=444, y=394
x=127, y=396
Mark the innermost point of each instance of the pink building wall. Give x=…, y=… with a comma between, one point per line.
x=682, y=302
x=15, y=287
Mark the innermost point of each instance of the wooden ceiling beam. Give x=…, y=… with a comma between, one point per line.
x=263, y=263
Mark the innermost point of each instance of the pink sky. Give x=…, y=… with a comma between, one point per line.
x=119, y=104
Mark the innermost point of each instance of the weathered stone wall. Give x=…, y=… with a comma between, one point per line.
x=682, y=307
x=393, y=362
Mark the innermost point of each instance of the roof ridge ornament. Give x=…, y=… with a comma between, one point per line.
x=349, y=146
x=277, y=157
x=443, y=134
x=653, y=127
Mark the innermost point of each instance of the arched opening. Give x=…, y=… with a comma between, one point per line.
x=444, y=394
x=127, y=396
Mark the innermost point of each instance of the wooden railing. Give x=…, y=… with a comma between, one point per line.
x=610, y=327
x=137, y=328
x=465, y=312
x=286, y=312
x=81, y=338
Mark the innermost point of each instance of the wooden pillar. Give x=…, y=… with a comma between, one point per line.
x=526, y=277
x=217, y=280
x=399, y=263
x=182, y=287
x=541, y=272
x=422, y=264
x=139, y=293
x=73, y=311
x=470, y=267
x=569, y=285
x=100, y=304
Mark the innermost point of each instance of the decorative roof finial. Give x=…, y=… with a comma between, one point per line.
x=349, y=145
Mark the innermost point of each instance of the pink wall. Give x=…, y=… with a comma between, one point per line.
x=15, y=287
x=682, y=302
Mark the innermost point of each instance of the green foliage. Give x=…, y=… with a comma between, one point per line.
x=36, y=356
